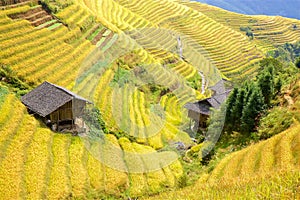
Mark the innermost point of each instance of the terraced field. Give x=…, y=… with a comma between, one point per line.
x=193, y=23
x=269, y=31
x=31, y=58
x=37, y=16
x=78, y=46
x=267, y=170
x=37, y=163
x=220, y=44
x=131, y=114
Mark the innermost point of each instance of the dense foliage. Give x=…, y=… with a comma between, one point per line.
x=248, y=103
x=276, y=121
x=9, y=77
x=287, y=53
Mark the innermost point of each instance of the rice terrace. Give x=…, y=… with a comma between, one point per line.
x=149, y=99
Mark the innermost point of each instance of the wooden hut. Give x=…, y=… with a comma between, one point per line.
x=199, y=111
x=57, y=106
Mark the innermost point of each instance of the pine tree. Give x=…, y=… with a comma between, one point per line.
x=278, y=85
x=297, y=63
x=238, y=108
x=266, y=84
x=229, y=109
x=252, y=110
x=249, y=87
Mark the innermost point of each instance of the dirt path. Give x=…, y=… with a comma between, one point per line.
x=203, y=82
x=289, y=99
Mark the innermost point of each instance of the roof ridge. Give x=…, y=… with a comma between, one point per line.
x=68, y=92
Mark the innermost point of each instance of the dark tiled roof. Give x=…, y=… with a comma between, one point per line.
x=204, y=105
x=219, y=87
x=47, y=98
x=198, y=107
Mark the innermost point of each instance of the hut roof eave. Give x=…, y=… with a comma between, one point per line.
x=47, y=98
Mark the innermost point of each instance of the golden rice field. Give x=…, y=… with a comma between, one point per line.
x=268, y=31
x=130, y=112
x=36, y=163
x=134, y=15
x=220, y=43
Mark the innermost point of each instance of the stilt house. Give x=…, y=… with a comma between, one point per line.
x=199, y=111
x=57, y=106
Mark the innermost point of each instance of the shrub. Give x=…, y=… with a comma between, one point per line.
x=276, y=121
x=195, y=82
x=9, y=77
x=93, y=118
x=252, y=21
x=183, y=181
x=248, y=31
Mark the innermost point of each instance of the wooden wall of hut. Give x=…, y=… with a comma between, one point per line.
x=194, y=115
x=199, y=118
x=203, y=121
x=78, y=107
x=63, y=113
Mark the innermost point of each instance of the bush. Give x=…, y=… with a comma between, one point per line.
x=252, y=21
x=183, y=181
x=277, y=120
x=93, y=118
x=10, y=78
x=194, y=152
x=248, y=31
x=245, y=28
x=195, y=82
x=3, y=93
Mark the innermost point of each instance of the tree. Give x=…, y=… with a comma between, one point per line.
x=249, y=87
x=266, y=84
x=278, y=85
x=251, y=111
x=276, y=121
x=229, y=109
x=267, y=62
x=238, y=108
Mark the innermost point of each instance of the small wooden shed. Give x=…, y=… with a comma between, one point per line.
x=58, y=106
x=199, y=111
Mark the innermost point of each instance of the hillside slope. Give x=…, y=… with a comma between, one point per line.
x=94, y=48
x=267, y=31
x=221, y=42
x=286, y=8
x=267, y=170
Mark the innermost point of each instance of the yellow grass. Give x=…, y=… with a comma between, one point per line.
x=59, y=185
x=11, y=178
x=38, y=164
x=78, y=172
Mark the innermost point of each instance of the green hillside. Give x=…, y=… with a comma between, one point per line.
x=139, y=62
